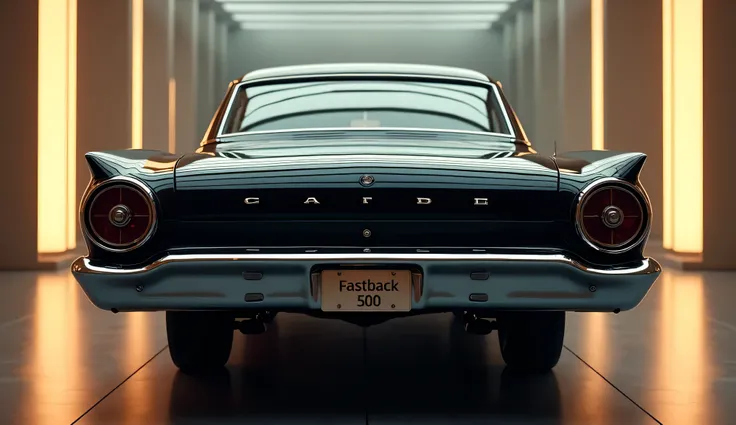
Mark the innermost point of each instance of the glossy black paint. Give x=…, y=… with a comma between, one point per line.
x=201, y=205
x=200, y=196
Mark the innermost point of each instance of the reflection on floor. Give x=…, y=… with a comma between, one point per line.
x=673, y=358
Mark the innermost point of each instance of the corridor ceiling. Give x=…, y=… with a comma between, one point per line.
x=365, y=14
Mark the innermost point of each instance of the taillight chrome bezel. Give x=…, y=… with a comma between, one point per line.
x=614, y=183
x=97, y=189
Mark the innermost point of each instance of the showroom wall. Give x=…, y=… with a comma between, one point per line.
x=478, y=50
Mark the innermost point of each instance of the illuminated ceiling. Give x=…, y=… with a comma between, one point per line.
x=365, y=14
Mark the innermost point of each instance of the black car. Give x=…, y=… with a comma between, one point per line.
x=365, y=192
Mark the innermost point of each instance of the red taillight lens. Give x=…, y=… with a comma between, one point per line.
x=120, y=216
x=612, y=217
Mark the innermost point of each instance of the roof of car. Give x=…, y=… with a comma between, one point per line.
x=365, y=68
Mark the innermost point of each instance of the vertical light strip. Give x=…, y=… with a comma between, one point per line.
x=71, y=170
x=53, y=104
x=137, y=75
x=687, y=126
x=172, y=115
x=597, y=40
x=170, y=66
x=667, y=100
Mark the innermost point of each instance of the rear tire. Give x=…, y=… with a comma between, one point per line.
x=199, y=340
x=531, y=341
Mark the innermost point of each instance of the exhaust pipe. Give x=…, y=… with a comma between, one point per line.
x=477, y=326
x=251, y=326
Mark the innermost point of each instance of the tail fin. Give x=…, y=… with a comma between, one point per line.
x=624, y=165
x=107, y=164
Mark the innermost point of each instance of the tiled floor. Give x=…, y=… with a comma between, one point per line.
x=671, y=360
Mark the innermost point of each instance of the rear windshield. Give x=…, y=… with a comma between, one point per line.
x=366, y=104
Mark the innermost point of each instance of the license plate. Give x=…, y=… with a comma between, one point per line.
x=366, y=290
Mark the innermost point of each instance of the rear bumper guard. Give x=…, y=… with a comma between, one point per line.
x=289, y=282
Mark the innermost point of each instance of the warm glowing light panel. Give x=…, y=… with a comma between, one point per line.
x=71, y=140
x=56, y=125
x=597, y=73
x=137, y=74
x=172, y=115
x=683, y=125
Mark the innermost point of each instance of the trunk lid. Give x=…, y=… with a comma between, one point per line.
x=424, y=193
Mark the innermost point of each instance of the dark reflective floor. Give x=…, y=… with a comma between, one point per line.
x=673, y=358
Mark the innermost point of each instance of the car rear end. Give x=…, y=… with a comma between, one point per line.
x=447, y=233
x=363, y=220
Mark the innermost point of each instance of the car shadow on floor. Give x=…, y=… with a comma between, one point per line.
x=425, y=369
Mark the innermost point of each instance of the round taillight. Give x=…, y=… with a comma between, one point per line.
x=612, y=217
x=120, y=216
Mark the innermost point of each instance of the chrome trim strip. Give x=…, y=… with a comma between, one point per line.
x=490, y=85
x=96, y=189
x=366, y=129
x=485, y=80
x=647, y=266
x=506, y=115
x=338, y=75
x=226, y=116
x=590, y=189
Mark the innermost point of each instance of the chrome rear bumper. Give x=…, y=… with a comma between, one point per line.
x=448, y=281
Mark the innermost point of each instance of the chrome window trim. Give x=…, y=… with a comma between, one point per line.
x=316, y=129
x=647, y=266
x=505, y=111
x=491, y=86
x=96, y=189
x=590, y=189
x=434, y=76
